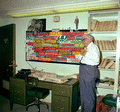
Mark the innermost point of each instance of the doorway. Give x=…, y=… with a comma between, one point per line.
x=7, y=55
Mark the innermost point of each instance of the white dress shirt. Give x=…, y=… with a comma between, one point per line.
x=92, y=56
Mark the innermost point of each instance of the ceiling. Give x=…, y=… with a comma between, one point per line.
x=17, y=6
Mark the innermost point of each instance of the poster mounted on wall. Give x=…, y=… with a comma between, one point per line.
x=54, y=46
x=37, y=25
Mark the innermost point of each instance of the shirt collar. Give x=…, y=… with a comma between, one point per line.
x=89, y=45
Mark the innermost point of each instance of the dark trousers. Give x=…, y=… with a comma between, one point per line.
x=87, y=77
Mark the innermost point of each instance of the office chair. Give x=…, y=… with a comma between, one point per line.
x=108, y=102
x=39, y=93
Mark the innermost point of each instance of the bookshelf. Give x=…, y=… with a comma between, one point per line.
x=104, y=26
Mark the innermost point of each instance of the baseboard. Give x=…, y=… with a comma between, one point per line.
x=46, y=100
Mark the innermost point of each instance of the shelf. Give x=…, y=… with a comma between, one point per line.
x=106, y=69
x=104, y=32
x=114, y=51
x=105, y=87
x=113, y=12
x=100, y=17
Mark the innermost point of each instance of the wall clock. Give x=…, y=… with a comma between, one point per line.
x=56, y=18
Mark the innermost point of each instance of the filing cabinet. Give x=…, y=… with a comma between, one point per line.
x=65, y=97
x=61, y=103
x=18, y=92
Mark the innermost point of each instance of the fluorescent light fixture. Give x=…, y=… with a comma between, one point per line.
x=88, y=8
x=19, y=14
x=60, y=11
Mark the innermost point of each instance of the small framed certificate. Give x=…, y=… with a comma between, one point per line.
x=56, y=18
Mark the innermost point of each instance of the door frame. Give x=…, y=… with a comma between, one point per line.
x=5, y=83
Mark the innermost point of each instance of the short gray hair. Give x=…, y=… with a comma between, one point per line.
x=89, y=35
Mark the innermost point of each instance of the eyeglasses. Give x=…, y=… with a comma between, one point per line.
x=84, y=39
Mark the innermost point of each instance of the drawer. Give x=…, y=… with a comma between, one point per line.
x=16, y=99
x=62, y=90
x=44, y=85
x=17, y=92
x=60, y=103
x=17, y=96
x=17, y=83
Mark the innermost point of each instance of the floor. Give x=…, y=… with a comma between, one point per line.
x=5, y=107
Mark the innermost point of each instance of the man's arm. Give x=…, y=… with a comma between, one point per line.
x=83, y=53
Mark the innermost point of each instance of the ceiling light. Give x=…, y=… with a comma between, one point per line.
x=60, y=11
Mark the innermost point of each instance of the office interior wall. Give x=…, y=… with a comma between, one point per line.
x=66, y=21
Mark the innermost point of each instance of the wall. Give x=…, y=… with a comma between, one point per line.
x=66, y=21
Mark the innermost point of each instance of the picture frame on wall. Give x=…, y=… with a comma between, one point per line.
x=56, y=19
x=54, y=46
x=37, y=25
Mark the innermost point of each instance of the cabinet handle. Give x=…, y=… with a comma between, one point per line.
x=61, y=92
x=60, y=108
x=61, y=100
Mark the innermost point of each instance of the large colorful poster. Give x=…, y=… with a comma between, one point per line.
x=54, y=46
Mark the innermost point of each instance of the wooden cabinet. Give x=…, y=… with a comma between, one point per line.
x=106, y=30
x=18, y=92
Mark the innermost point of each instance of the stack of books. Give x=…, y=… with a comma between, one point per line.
x=107, y=63
x=106, y=44
x=96, y=25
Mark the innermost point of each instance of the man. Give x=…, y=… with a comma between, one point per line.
x=88, y=73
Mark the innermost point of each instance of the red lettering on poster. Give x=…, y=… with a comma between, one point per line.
x=33, y=58
x=53, y=59
x=48, y=38
x=50, y=48
x=68, y=44
x=69, y=56
x=52, y=52
x=70, y=38
x=30, y=43
x=44, y=33
x=41, y=54
x=37, y=48
x=29, y=33
x=80, y=34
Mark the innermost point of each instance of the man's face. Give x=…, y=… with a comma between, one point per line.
x=86, y=40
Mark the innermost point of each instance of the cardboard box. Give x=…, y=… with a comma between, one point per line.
x=99, y=103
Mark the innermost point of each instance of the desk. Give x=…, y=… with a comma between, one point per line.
x=64, y=96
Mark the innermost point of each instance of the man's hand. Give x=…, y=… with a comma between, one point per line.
x=83, y=53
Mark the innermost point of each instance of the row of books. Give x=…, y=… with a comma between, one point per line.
x=107, y=63
x=106, y=44
x=96, y=25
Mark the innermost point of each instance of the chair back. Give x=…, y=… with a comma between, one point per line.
x=31, y=83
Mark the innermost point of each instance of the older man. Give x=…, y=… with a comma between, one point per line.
x=88, y=72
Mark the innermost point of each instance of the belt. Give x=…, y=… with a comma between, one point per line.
x=86, y=64
x=82, y=64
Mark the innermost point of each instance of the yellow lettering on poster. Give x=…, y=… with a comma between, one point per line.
x=51, y=45
x=50, y=41
x=55, y=33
